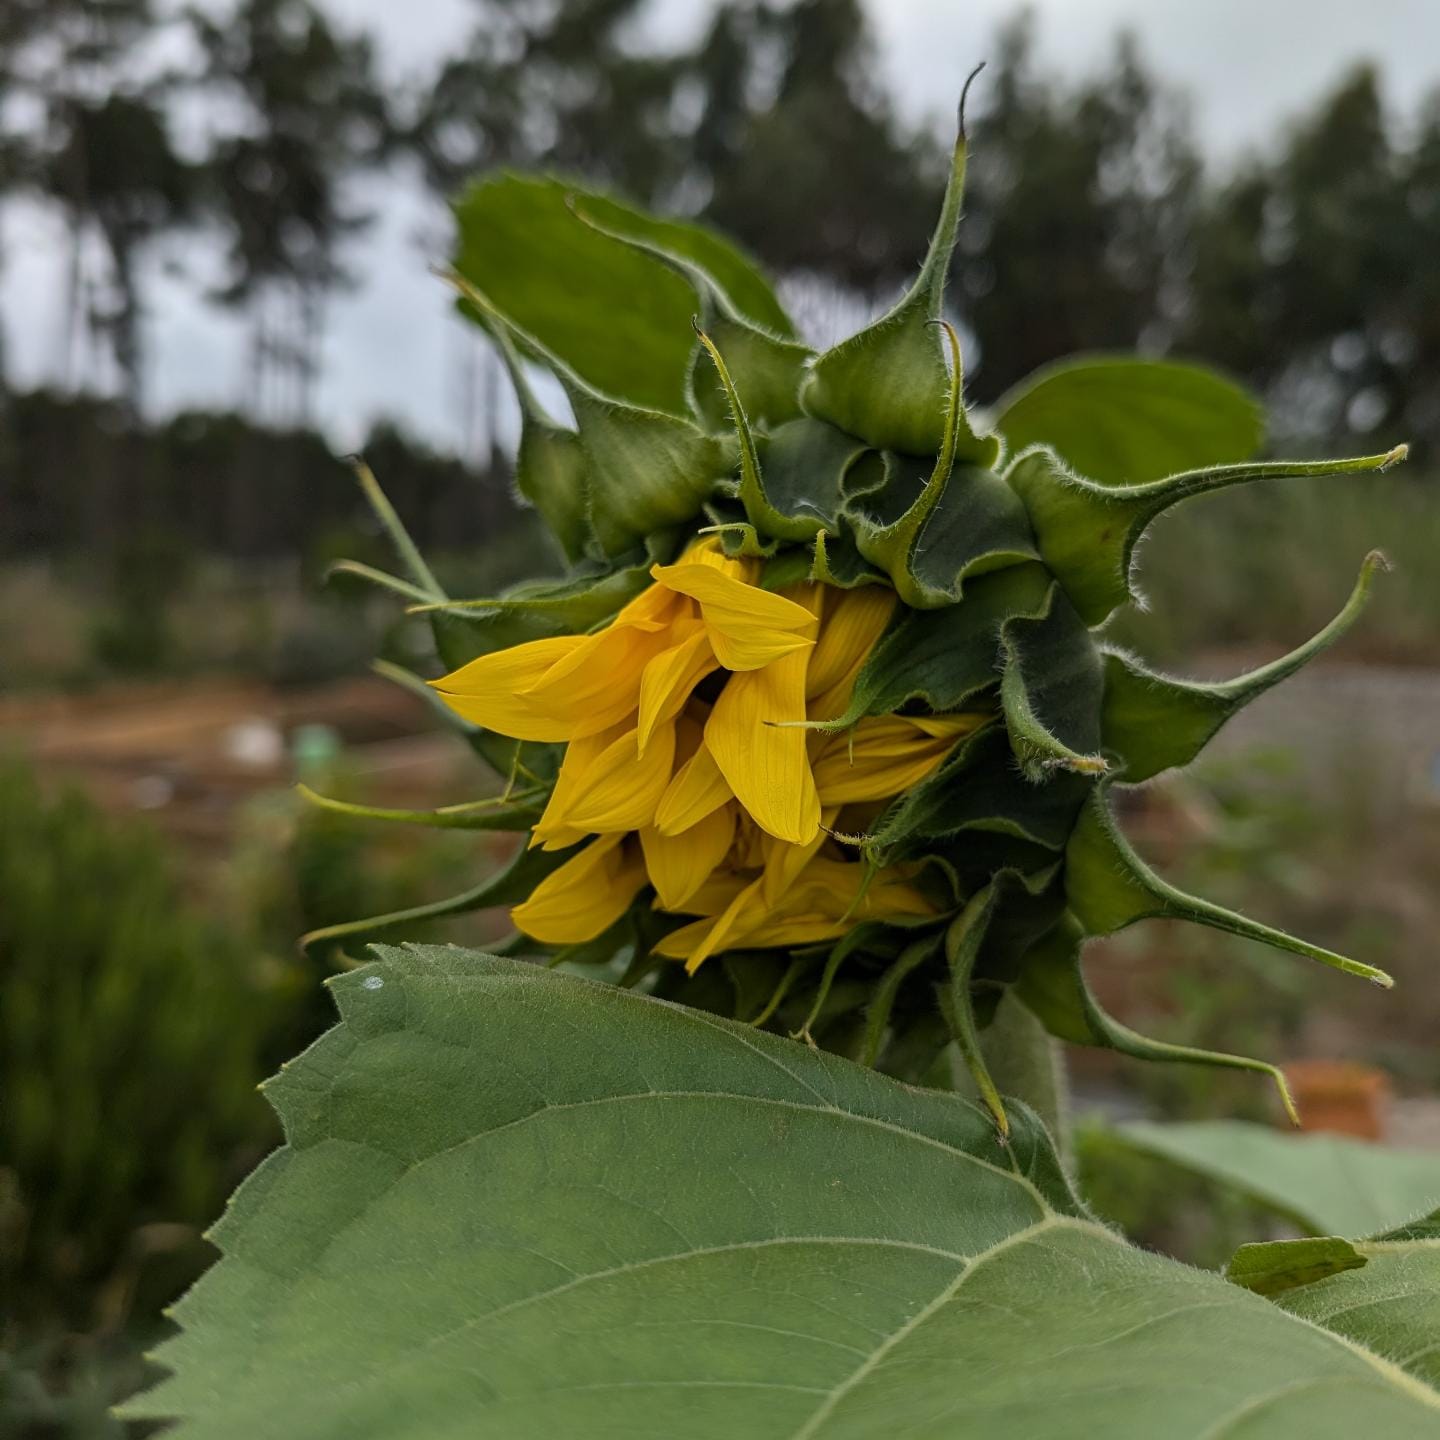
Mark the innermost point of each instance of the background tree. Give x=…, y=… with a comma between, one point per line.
x=1318, y=248
x=1084, y=194
x=119, y=176
x=313, y=115
x=1305, y=268
x=821, y=179
x=556, y=88
x=101, y=152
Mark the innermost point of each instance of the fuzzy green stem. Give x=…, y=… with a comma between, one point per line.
x=1027, y=1064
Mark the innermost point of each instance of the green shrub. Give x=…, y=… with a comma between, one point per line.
x=130, y=1037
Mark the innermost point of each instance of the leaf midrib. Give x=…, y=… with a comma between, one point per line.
x=408, y=1357
x=1022, y=1182
x=1387, y=1370
x=827, y=1406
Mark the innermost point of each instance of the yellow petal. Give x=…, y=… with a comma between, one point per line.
x=552, y=830
x=830, y=897
x=620, y=788
x=749, y=627
x=717, y=892
x=710, y=550
x=489, y=691
x=697, y=789
x=964, y=722
x=597, y=684
x=653, y=607
x=668, y=680
x=784, y=862
x=750, y=844
x=885, y=755
x=726, y=931
x=681, y=944
x=805, y=929
x=678, y=865
x=845, y=888
x=585, y=896
x=892, y=897
x=767, y=765
x=854, y=621
x=835, y=893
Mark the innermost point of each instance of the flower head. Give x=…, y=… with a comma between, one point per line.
x=835, y=694
x=690, y=766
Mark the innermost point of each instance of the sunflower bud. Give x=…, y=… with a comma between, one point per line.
x=818, y=729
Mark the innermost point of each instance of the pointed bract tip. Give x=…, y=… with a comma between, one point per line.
x=964, y=92
x=1079, y=764
x=1287, y=1099
x=696, y=326
x=1378, y=560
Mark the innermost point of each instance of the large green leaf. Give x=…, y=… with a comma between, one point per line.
x=516, y=1204
x=1120, y=421
x=643, y=470
x=741, y=280
x=1328, y=1184
x=618, y=317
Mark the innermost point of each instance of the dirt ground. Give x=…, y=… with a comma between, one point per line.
x=192, y=754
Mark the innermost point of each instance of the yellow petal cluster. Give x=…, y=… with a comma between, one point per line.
x=684, y=762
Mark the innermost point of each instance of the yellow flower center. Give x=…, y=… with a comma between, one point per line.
x=685, y=762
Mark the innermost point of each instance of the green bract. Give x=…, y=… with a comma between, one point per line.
x=1011, y=543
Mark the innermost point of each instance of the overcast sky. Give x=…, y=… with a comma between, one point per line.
x=392, y=346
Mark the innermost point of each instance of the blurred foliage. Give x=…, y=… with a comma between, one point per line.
x=1269, y=567
x=77, y=472
x=1302, y=267
x=1163, y=1208
x=297, y=868
x=133, y=1030
x=137, y=1017
x=312, y=115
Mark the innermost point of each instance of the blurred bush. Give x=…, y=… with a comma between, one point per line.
x=1163, y=1208
x=297, y=868
x=1269, y=567
x=131, y=1030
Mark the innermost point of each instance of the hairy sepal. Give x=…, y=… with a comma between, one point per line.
x=1153, y=722
x=889, y=384
x=1087, y=533
x=1053, y=987
x=1110, y=888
